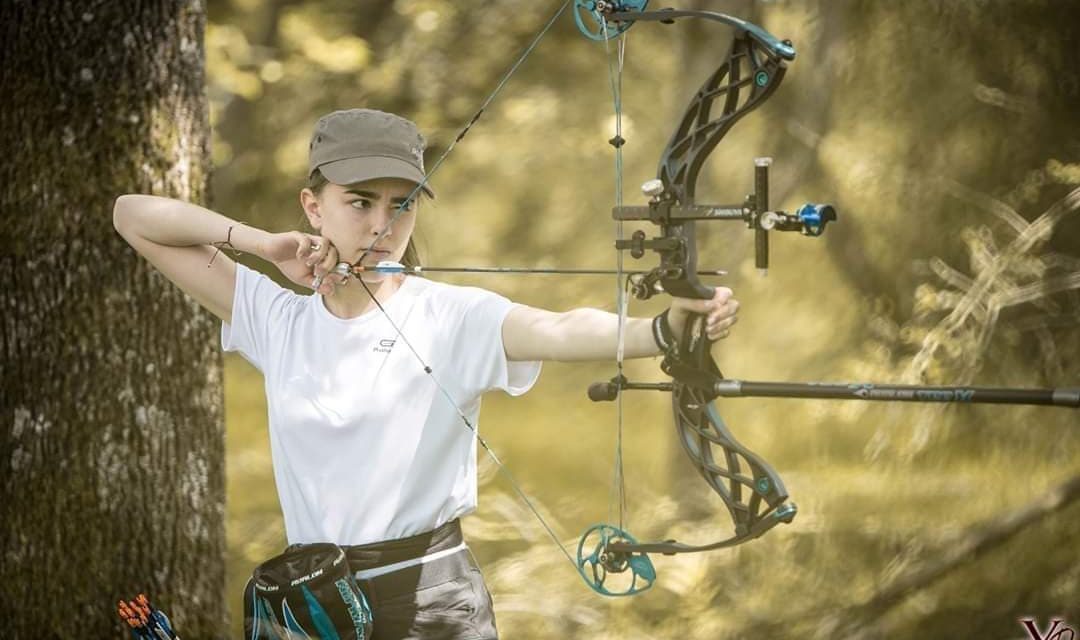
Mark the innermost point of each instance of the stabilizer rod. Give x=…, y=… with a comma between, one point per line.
x=1057, y=397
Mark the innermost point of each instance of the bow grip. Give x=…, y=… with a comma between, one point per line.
x=684, y=263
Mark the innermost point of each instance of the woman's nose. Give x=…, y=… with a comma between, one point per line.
x=381, y=221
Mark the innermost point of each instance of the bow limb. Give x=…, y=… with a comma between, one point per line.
x=776, y=47
x=750, y=488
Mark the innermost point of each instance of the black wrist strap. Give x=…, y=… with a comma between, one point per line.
x=662, y=333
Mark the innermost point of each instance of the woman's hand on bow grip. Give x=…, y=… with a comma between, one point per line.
x=721, y=313
x=304, y=259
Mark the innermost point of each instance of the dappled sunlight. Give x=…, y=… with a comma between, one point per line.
x=947, y=265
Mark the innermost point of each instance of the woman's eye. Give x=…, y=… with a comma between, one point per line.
x=407, y=206
x=360, y=204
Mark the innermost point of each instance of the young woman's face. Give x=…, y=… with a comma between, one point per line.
x=353, y=216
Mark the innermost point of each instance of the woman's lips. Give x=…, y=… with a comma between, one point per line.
x=376, y=255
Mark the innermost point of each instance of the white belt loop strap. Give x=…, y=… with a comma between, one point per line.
x=368, y=574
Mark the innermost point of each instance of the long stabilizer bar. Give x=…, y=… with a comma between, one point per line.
x=1060, y=397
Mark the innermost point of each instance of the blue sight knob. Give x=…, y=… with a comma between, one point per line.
x=814, y=217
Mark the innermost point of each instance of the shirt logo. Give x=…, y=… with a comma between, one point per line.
x=384, y=346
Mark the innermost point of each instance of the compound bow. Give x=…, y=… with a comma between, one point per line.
x=750, y=488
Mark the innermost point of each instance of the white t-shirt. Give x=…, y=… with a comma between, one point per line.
x=364, y=445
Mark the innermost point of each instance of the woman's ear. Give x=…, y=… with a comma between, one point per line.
x=310, y=203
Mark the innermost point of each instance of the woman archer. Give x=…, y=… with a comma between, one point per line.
x=368, y=454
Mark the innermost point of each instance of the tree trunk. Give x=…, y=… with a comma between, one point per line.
x=111, y=450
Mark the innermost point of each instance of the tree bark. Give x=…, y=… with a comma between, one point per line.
x=111, y=450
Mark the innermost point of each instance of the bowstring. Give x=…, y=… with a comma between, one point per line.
x=405, y=204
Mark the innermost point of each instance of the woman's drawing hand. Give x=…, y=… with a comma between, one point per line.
x=304, y=259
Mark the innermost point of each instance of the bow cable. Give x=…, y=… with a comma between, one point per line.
x=469, y=425
x=615, y=71
x=404, y=206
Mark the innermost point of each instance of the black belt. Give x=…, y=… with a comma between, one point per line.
x=380, y=554
x=412, y=578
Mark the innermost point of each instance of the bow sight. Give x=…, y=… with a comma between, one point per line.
x=678, y=255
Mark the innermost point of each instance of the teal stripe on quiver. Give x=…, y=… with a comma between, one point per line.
x=319, y=618
x=291, y=623
x=275, y=626
x=358, y=594
x=356, y=604
x=256, y=617
x=266, y=623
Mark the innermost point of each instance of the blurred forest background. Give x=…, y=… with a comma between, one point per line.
x=946, y=134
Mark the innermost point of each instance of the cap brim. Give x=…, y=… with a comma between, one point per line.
x=353, y=170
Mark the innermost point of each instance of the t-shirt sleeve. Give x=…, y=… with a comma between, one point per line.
x=481, y=357
x=257, y=302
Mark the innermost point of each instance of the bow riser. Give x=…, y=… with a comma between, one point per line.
x=749, y=76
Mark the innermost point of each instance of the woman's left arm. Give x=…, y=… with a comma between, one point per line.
x=591, y=334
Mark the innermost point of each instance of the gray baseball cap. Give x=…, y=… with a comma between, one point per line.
x=363, y=144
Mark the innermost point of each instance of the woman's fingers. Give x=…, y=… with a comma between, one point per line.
x=719, y=329
x=317, y=252
x=306, y=245
x=324, y=259
x=721, y=313
x=319, y=255
x=330, y=272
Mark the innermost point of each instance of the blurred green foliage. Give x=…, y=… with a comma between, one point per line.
x=922, y=123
